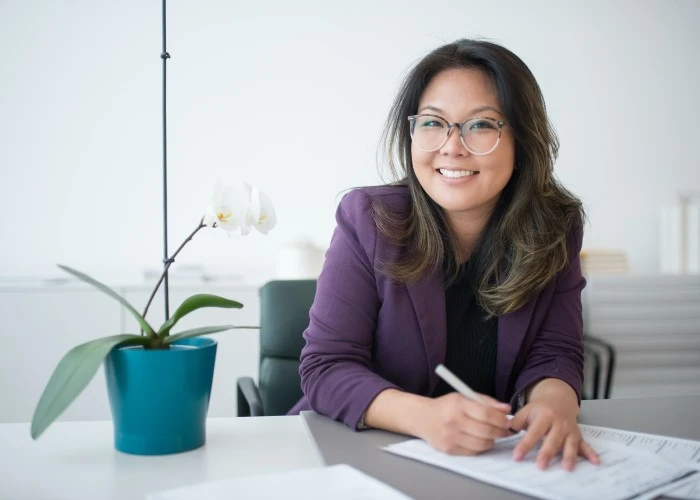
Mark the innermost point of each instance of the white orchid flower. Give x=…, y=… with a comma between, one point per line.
x=229, y=209
x=262, y=212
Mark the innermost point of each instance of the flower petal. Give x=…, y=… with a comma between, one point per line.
x=229, y=207
x=263, y=212
x=240, y=208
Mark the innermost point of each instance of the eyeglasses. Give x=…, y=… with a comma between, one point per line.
x=479, y=136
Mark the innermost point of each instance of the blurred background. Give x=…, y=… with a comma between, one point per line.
x=292, y=97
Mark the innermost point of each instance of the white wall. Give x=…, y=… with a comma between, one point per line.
x=291, y=96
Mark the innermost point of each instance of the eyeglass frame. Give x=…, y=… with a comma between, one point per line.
x=499, y=123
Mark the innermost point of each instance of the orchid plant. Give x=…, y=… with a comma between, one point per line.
x=236, y=210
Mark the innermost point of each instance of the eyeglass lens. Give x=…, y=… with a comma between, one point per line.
x=479, y=135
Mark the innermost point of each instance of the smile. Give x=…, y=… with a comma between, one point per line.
x=456, y=173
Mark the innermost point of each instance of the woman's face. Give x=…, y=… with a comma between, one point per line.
x=465, y=185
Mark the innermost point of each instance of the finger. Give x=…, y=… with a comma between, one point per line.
x=586, y=451
x=483, y=430
x=518, y=421
x=496, y=404
x=534, y=433
x=454, y=448
x=463, y=444
x=485, y=414
x=551, y=445
x=572, y=444
x=461, y=451
x=474, y=444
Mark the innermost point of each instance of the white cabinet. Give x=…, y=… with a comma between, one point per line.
x=654, y=323
x=40, y=324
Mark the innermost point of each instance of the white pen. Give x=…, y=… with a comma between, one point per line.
x=445, y=374
x=458, y=385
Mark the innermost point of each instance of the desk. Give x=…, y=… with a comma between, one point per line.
x=77, y=460
x=673, y=416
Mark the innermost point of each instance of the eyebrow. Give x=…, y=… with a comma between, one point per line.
x=472, y=112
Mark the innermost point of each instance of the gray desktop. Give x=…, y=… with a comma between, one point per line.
x=336, y=443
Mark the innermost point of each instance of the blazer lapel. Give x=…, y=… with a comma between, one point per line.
x=428, y=297
x=512, y=328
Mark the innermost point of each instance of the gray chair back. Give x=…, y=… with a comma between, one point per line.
x=284, y=315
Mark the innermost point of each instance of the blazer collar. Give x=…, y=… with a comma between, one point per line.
x=512, y=328
x=428, y=297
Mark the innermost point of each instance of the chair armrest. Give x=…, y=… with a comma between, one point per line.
x=594, y=359
x=610, y=350
x=249, y=402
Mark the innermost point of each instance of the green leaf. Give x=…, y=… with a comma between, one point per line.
x=192, y=304
x=141, y=320
x=196, y=332
x=72, y=374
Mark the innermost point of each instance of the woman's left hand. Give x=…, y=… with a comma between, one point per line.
x=546, y=420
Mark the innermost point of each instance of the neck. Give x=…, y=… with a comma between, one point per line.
x=467, y=228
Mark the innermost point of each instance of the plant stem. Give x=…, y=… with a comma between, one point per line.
x=169, y=262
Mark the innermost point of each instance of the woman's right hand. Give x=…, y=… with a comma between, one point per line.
x=458, y=426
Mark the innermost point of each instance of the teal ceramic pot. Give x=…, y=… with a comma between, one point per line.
x=160, y=398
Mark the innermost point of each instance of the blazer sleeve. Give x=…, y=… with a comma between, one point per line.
x=336, y=374
x=557, y=351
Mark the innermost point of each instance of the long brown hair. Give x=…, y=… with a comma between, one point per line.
x=523, y=246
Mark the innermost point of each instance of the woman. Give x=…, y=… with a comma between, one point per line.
x=470, y=259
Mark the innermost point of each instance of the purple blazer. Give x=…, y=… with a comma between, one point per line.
x=367, y=333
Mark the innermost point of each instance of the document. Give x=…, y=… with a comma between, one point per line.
x=340, y=482
x=624, y=472
x=678, y=450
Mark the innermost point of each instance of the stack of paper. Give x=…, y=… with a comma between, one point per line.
x=632, y=466
x=604, y=262
x=679, y=236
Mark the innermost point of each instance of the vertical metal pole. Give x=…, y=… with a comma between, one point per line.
x=165, y=56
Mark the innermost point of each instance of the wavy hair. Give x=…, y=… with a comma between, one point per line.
x=524, y=244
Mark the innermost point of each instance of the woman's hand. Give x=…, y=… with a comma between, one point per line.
x=459, y=426
x=550, y=416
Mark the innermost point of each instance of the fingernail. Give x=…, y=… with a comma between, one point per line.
x=517, y=455
x=513, y=430
x=542, y=464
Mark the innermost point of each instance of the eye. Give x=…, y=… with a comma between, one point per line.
x=481, y=124
x=430, y=122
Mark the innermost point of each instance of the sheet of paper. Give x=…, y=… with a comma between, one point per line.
x=623, y=473
x=684, y=489
x=677, y=490
x=340, y=482
x=688, y=491
x=682, y=451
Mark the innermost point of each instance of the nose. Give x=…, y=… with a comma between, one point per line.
x=453, y=146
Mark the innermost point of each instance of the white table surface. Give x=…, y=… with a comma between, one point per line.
x=77, y=460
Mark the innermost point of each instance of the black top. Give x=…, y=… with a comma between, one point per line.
x=471, y=340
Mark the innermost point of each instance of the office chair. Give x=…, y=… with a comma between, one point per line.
x=284, y=315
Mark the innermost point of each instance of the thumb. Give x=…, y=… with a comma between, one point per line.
x=519, y=420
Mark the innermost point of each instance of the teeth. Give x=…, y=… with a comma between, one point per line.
x=456, y=173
